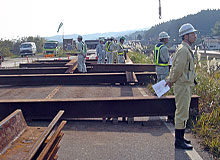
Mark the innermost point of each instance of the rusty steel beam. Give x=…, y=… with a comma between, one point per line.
x=131, y=77
x=93, y=61
x=72, y=66
x=42, y=64
x=53, y=60
x=52, y=143
x=51, y=64
x=122, y=67
x=69, y=79
x=10, y=128
x=45, y=70
x=94, y=107
x=44, y=135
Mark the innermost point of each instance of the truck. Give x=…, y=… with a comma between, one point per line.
x=50, y=48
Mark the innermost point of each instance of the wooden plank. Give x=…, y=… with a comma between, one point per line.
x=43, y=137
x=50, y=143
x=10, y=128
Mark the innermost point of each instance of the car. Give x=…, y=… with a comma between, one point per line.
x=27, y=48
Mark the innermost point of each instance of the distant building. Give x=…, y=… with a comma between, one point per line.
x=210, y=43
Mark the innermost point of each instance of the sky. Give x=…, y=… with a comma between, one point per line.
x=21, y=18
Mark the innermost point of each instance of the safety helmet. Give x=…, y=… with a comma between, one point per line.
x=79, y=37
x=112, y=38
x=185, y=29
x=122, y=38
x=163, y=35
x=101, y=40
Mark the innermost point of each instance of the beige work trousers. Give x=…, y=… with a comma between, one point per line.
x=183, y=95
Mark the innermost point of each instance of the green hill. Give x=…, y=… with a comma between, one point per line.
x=203, y=21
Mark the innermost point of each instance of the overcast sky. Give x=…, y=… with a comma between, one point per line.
x=42, y=17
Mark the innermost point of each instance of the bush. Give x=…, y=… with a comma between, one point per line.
x=140, y=58
x=206, y=124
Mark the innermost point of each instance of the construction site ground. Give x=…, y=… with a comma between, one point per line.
x=88, y=139
x=92, y=139
x=147, y=138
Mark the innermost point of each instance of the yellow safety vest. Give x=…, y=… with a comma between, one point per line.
x=108, y=46
x=84, y=48
x=121, y=53
x=157, y=59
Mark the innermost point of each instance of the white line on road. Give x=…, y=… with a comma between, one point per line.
x=191, y=153
x=142, y=91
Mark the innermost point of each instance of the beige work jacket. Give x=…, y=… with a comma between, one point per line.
x=183, y=69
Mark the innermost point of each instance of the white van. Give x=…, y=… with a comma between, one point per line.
x=27, y=48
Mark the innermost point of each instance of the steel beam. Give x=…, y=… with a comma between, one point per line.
x=69, y=79
x=72, y=66
x=42, y=64
x=93, y=107
x=10, y=128
x=50, y=64
x=122, y=67
x=53, y=60
x=45, y=70
x=43, y=137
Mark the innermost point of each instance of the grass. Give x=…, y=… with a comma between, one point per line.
x=140, y=58
x=207, y=122
x=15, y=56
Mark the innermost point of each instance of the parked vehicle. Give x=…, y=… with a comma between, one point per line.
x=50, y=48
x=27, y=48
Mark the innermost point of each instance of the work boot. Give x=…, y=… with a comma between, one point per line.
x=179, y=141
x=185, y=140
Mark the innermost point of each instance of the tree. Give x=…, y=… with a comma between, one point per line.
x=216, y=29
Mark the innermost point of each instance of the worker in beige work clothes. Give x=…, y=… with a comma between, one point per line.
x=182, y=76
x=161, y=57
x=121, y=51
x=82, y=51
x=100, y=50
x=109, y=46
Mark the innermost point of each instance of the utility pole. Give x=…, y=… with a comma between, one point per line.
x=159, y=10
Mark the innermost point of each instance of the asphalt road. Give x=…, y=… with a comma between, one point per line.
x=148, y=138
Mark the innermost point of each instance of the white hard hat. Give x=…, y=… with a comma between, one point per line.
x=163, y=35
x=79, y=37
x=185, y=29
